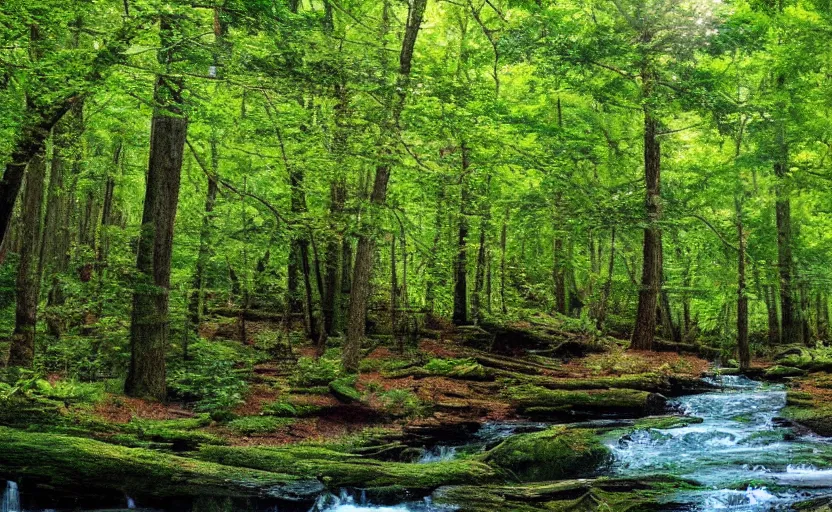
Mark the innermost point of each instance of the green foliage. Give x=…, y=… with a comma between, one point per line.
x=289, y=410
x=213, y=379
x=257, y=425
x=401, y=403
x=315, y=372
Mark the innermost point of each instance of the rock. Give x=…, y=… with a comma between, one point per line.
x=552, y=454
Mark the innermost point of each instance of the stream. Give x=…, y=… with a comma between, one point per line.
x=743, y=457
x=739, y=452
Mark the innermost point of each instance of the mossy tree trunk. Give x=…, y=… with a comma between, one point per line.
x=150, y=324
x=22, y=349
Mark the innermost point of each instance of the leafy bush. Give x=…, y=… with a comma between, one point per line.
x=257, y=425
x=401, y=403
x=212, y=380
x=311, y=372
x=288, y=410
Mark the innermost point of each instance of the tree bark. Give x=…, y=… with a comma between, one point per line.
x=479, y=277
x=503, y=236
x=22, y=349
x=601, y=317
x=337, y=199
x=460, y=315
x=364, y=253
x=645, y=326
x=150, y=324
x=743, y=349
x=559, y=275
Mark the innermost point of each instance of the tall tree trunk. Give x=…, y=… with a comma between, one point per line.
x=56, y=236
x=337, y=198
x=364, y=254
x=333, y=270
x=394, y=292
x=503, y=236
x=345, y=283
x=196, y=303
x=460, y=315
x=433, y=269
x=601, y=317
x=645, y=327
x=559, y=274
x=150, y=324
x=774, y=333
x=743, y=349
x=22, y=349
x=479, y=278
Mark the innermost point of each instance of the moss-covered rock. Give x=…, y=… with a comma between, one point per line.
x=338, y=469
x=552, y=454
x=86, y=465
x=559, y=404
x=781, y=372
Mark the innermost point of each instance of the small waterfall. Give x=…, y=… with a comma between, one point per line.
x=439, y=453
x=131, y=504
x=11, y=498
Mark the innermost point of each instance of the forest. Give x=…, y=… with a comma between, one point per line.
x=415, y=255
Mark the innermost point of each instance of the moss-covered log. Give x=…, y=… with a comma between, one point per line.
x=337, y=469
x=551, y=404
x=552, y=454
x=583, y=495
x=87, y=465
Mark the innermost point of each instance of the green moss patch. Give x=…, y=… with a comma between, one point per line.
x=552, y=454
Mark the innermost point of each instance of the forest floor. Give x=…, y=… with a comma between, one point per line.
x=292, y=425
x=457, y=378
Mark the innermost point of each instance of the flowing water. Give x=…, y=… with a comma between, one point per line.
x=747, y=461
x=11, y=498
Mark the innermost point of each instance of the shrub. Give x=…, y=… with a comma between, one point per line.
x=401, y=403
x=257, y=425
x=212, y=380
x=311, y=372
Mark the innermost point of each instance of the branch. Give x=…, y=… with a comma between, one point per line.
x=234, y=189
x=717, y=233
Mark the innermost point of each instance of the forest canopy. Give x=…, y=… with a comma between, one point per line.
x=653, y=169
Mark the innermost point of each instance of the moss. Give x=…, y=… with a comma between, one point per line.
x=602, y=494
x=817, y=417
x=86, y=465
x=338, y=469
x=344, y=389
x=782, y=372
x=666, y=422
x=290, y=410
x=551, y=454
x=181, y=434
x=464, y=369
x=539, y=401
x=258, y=425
